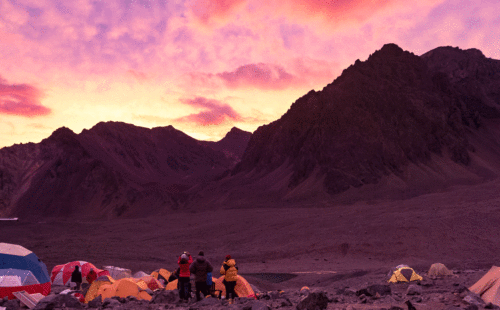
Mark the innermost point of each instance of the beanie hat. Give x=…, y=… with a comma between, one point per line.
x=184, y=256
x=201, y=253
x=228, y=257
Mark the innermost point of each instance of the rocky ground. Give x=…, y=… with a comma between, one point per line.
x=361, y=289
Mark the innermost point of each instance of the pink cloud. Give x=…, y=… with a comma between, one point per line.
x=215, y=112
x=206, y=11
x=21, y=100
x=264, y=76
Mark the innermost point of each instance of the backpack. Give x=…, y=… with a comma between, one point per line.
x=209, y=278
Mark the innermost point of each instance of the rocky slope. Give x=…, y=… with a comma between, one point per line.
x=113, y=169
x=393, y=126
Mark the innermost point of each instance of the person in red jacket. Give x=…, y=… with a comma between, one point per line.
x=184, y=283
x=91, y=276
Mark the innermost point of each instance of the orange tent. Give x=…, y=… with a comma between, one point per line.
x=171, y=285
x=242, y=288
x=123, y=288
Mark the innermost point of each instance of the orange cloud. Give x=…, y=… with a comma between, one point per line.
x=21, y=100
x=215, y=112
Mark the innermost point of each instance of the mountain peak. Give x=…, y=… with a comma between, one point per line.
x=391, y=49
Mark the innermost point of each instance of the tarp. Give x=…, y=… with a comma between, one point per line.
x=404, y=273
x=61, y=274
x=439, y=270
x=242, y=288
x=488, y=287
x=21, y=270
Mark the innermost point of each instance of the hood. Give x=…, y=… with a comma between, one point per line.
x=201, y=259
x=230, y=262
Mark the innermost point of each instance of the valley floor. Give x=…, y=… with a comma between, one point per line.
x=319, y=247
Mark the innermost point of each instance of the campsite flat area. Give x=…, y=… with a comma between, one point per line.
x=317, y=247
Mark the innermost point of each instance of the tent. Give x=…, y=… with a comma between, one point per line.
x=404, y=273
x=439, y=270
x=61, y=274
x=139, y=274
x=21, y=270
x=242, y=288
x=151, y=282
x=93, y=290
x=118, y=272
x=122, y=288
x=171, y=285
x=488, y=287
x=161, y=274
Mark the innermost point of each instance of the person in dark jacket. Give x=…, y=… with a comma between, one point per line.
x=76, y=277
x=184, y=283
x=230, y=272
x=199, y=268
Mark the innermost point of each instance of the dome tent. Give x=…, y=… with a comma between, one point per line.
x=21, y=270
x=61, y=274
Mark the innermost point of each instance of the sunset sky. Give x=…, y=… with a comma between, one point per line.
x=202, y=66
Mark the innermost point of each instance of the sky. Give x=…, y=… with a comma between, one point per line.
x=202, y=66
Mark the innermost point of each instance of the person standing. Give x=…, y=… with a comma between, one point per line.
x=230, y=272
x=76, y=277
x=200, y=268
x=184, y=262
x=91, y=276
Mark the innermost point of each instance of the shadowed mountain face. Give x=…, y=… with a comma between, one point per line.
x=380, y=118
x=113, y=169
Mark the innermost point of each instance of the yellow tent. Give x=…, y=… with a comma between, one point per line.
x=404, y=273
x=161, y=274
x=122, y=288
x=439, y=270
x=488, y=287
x=242, y=288
x=171, y=285
x=94, y=289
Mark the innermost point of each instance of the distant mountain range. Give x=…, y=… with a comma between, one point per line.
x=391, y=127
x=111, y=170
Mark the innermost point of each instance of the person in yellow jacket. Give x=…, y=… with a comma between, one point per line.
x=230, y=272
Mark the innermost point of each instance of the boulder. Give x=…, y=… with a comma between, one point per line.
x=491, y=306
x=414, y=290
x=12, y=304
x=210, y=302
x=96, y=302
x=474, y=299
x=110, y=303
x=58, y=301
x=372, y=290
x=255, y=305
x=314, y=301
x=165, y=297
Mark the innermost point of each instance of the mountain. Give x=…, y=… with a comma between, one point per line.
x=233, y=145
x=113, y=169
x=393, y=126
